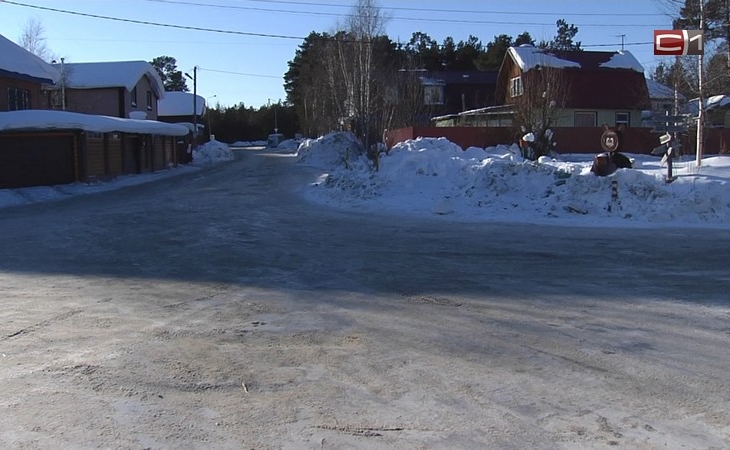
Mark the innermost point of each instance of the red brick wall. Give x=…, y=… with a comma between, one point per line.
x=36, y=96
x=104, y=102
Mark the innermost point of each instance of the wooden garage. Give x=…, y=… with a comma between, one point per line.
x=37, y=159
x=40, y=147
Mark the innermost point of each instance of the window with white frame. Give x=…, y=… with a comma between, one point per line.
x=149, y=100
x=584, y=119
x=623, y=118
x=133, y=96
x=515, y=86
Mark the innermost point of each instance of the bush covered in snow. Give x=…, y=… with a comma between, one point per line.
x=212, y=151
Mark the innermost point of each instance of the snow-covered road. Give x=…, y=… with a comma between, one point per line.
x=221, y=309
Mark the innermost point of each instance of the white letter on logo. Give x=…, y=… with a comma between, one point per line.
x=660, y=47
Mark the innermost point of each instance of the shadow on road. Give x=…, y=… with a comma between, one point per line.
x=244, y=223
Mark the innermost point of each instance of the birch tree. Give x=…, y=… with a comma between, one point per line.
x=33, y=39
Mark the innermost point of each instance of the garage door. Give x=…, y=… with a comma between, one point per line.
x=36, y=160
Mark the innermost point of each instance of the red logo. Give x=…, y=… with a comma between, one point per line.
x=678, y=42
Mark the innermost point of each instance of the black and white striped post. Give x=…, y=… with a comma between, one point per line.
x=614, y=190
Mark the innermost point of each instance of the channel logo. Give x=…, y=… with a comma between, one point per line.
x=678, y=42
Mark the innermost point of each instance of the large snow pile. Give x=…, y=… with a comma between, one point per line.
x=332, y=150
x=430, y=176
x=290, y=145
x=211, y=152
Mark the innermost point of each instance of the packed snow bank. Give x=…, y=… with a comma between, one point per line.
x=330, y=151
x=211, y=152
x=429, y=176
x=40, y=194
x=249, y=144
x=289, y=145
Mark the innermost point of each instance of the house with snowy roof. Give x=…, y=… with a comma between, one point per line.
x=181, y=107
x=717, y=110
x=597, y=88
x=453, y=91
x=663, y=97
x=125, y=89
x=22, y=77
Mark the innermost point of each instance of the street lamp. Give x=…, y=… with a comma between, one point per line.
x=207, y=111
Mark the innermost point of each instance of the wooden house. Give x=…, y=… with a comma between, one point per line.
x=589, y=88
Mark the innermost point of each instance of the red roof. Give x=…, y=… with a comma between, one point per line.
x=604, y=80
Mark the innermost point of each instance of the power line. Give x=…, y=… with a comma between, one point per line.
x=400, y=8
x=158, y=24
x=611, y=45
x=411, y=19
x=212, y=30
x=239, y=73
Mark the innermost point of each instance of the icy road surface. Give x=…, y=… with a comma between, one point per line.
x=220, y=309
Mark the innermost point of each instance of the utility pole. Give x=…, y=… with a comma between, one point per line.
x=195, y=102
x=701, y=102
x=63, y=85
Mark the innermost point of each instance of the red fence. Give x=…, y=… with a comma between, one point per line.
x=569, y=139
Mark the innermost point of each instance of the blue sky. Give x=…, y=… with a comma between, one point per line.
x=246, y=63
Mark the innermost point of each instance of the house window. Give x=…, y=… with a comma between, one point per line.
x=433, y=95
x=623, y=118
x=133, y=96
x=149, y=100
x=584, y=119
x=18, y=99
x=94, y=135
x=515, y=87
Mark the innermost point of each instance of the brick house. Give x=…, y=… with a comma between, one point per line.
x=22, y=77
x=125, y=89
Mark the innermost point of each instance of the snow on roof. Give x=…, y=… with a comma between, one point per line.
x=528, y=57
x=14, y=59
x=717, y=101
x=659, y=90
x=97, y=75
x=426, y=81
x=711, y=103
x=623, y=60
x=180, y=104
x=33, y=119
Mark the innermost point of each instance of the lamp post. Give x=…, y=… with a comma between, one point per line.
x=207, y=111
x=195, y=101
x=276, y=119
